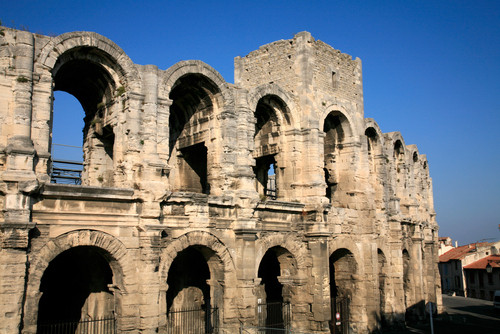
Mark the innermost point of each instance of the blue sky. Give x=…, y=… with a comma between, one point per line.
x=431, y=70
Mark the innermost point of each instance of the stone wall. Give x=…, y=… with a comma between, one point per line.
x=173, y=193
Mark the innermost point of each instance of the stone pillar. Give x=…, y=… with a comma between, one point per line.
x=23, y=88
x=249, y=284
x=13, y=269
x=149, y=286
x=319, y=281
x=41, y=124
x=17, y=182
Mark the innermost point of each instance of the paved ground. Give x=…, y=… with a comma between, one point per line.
x=462, y=315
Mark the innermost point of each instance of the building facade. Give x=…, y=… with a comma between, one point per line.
x=454, y=261
x=483, y=277
x=173, y=209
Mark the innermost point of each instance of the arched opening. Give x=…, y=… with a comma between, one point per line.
x=67, y=139
x=382, y=276
x=75, y=288
x=194, y=100
x=372, y=146
x=268, y=138
x=399, y=151
x=335, y=134
x=342, y=288
x=269, y=271
x=187, y=281
x=87, y=74
x=406, y=282
x=415, y=157
x=273, y=297
x=193, y=293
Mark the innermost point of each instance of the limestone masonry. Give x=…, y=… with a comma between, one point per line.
x=235, y=199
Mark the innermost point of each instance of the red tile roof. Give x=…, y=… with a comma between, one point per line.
x=493, y=260
x=458, y=253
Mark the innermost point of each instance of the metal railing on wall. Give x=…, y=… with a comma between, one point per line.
x=193, y=321
x=274, y=318
x=65, y=170
x=104, y=325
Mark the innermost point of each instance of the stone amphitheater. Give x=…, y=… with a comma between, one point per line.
x=272, y=195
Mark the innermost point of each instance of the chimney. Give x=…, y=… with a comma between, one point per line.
x=494, y=250
x=456, y=244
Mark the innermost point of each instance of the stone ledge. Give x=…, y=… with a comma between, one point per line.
x=86, y=192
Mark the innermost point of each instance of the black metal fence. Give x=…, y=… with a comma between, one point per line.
x=105, y=325
x=193, y=321
x=339, y=323
x=274, y=318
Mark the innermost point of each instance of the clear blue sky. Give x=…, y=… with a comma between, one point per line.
x=431, y=70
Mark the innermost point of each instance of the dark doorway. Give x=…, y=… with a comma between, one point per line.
x=75, y=287
x=342, y=287
x=187, y=281
x=271, y=307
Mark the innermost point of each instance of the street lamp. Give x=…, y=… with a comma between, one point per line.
x=489, y=268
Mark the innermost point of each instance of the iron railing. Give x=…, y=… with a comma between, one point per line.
x=67, y=167
x=66, y=172
x=193, y=321
x=105, y=325
x=274, y=318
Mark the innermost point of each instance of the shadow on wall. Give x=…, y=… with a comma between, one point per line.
x=402, y=323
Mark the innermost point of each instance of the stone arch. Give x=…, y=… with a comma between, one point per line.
x=186, y=67
x=100, y=76
x=197, y=93
x=194, y=238
x=220, y=262
x=288, y=116
x=113, y=251
x=371, y=123
x=344, y=283
x=331, y=107
x=394, y=141
x=273, y=117
x=58, y=45
x=375, y=139
x=338, y=154
x=280, y=271
x=294, y=246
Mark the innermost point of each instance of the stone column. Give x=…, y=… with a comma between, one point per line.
x=319, y=281
x=248, y=283
x=13, y=269
x=17, y=182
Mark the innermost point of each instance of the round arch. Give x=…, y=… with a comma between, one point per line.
x=220, y=265
x=394, y=139
x=339, y=109
x=198, y=238
x=186, y=67
x=344, y=243
x=57, y=46
x=288, y=116
x=113, y=251
x=295, y=248
x=371, y=123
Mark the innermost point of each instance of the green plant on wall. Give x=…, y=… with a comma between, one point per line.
x=22, y=79
x=120, y=91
